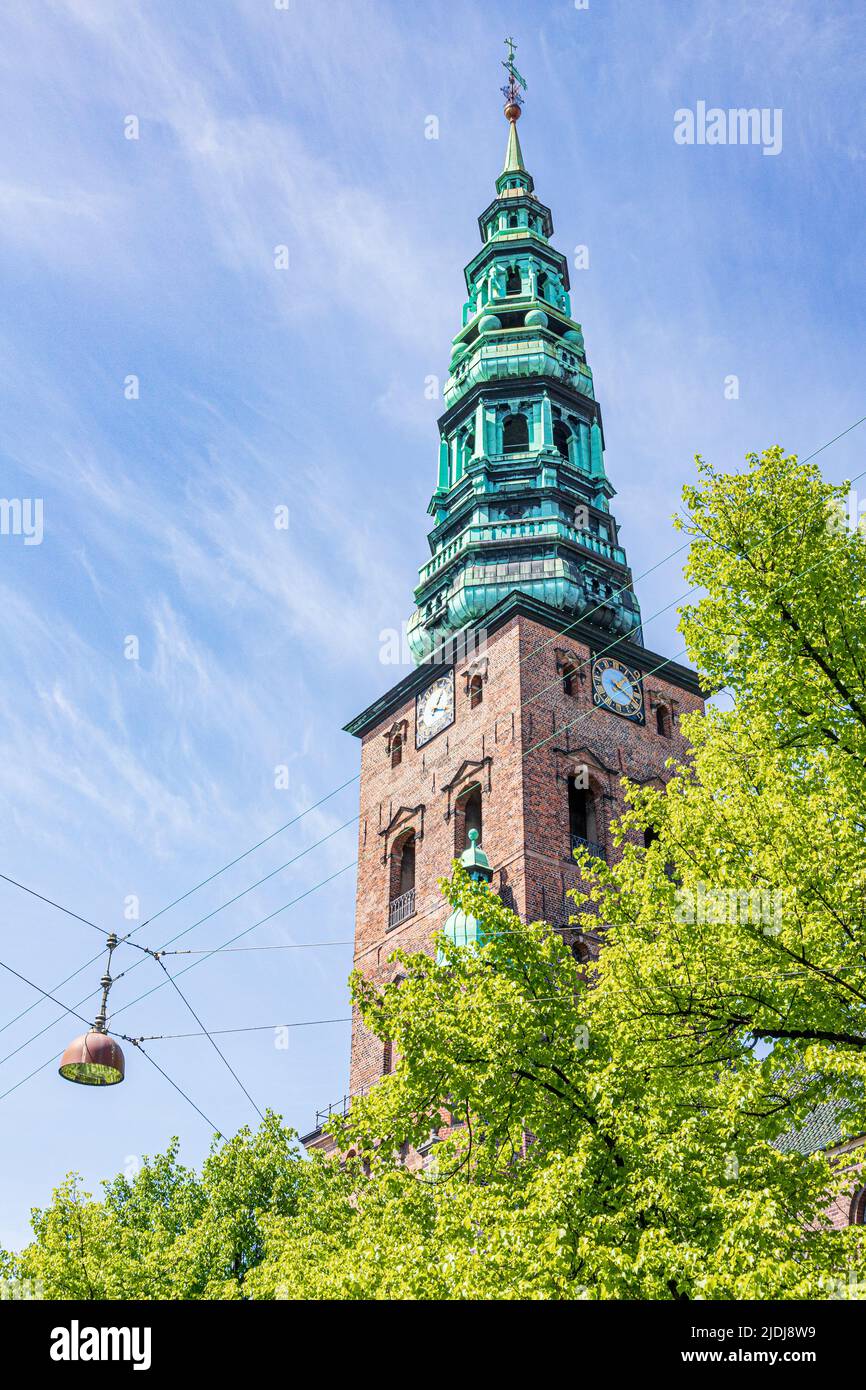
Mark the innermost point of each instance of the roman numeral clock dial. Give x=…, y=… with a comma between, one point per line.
x=434, y=709
x=618, y=688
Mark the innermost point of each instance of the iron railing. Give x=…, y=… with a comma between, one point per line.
x=340, y=1107
x=400, y=908
x=580, y=842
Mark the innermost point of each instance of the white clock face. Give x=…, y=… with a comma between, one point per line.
x=434, y=709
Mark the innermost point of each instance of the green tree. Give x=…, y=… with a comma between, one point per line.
x=640, y=1180
x=612, y=1129
x=167, y=1232
x=771, y=808
x=654, y=1169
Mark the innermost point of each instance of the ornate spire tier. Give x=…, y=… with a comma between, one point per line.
x=522, y=499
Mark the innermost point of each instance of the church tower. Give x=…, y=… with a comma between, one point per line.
x=534, y=693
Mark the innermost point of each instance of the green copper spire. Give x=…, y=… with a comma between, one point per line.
x=513, y=154
x=513, y=93
x=522, y=499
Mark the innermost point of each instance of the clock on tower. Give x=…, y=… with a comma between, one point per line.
x=434, y=709
x=526, y=630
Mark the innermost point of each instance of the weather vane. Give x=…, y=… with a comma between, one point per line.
x=515, y=86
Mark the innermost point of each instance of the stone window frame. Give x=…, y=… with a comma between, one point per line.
x=570, y=663
x=600, y=782
x=857, y=1210
x=404, y=818
x=656, y=700
x=469, y=772
x=476, y=670
x=459, y=814
x=400, y=728
x=395, y=861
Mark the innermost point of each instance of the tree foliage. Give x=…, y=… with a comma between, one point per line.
x=606, y=1130
x=166, y=1232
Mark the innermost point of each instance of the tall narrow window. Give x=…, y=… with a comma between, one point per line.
x=515, y=434
x=561, y=435
x=569, y=676
x=402, y=886
x=407, y=865
x=476, y=691
x=514, y=284
x=396, y=750
x=387, y=1058
x=663, y=721
x=582, y=821
x=467, y=816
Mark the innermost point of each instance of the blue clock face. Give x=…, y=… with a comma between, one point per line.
x=616, y=687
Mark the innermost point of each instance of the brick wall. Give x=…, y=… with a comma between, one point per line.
x=520, y=745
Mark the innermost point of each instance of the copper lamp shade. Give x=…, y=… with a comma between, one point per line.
x=94, y=1059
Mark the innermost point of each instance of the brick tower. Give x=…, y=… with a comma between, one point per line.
x=533, y=694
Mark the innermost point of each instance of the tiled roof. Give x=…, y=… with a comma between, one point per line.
x=820, y=1130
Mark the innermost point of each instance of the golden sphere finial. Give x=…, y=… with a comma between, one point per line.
x=512, y=111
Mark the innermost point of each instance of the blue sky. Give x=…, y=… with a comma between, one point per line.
x=305, y=388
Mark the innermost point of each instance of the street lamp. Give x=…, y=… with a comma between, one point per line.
x=95, y=1059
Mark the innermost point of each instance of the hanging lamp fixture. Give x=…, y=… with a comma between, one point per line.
x=95, y=1059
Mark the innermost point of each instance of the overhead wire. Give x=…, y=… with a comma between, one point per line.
x=349, y=782
x=209, y=1037
x=153, y=990
x=171, y=1082
x=577, y=622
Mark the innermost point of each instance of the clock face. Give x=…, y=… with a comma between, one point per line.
x=618, y=688
x=434, y=709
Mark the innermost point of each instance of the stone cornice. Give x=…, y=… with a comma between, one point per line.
x=520, y=604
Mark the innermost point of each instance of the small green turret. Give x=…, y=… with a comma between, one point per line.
x=463, y=928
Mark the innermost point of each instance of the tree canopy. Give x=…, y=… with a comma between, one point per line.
x=606, y=1129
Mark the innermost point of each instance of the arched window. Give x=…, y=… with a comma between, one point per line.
x=858, y=1208
x=397, y=750
x=402, y=886
x=561, y=436
x=515, y=434
x=663, y=721
x=541, y=284
x=582, y=819
x=581, y=952
x=514, y=284
x=476, y=692
x=465, y=450
x=569, y=675
x=407, y=865
x=467, y=816
x=512, y=219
